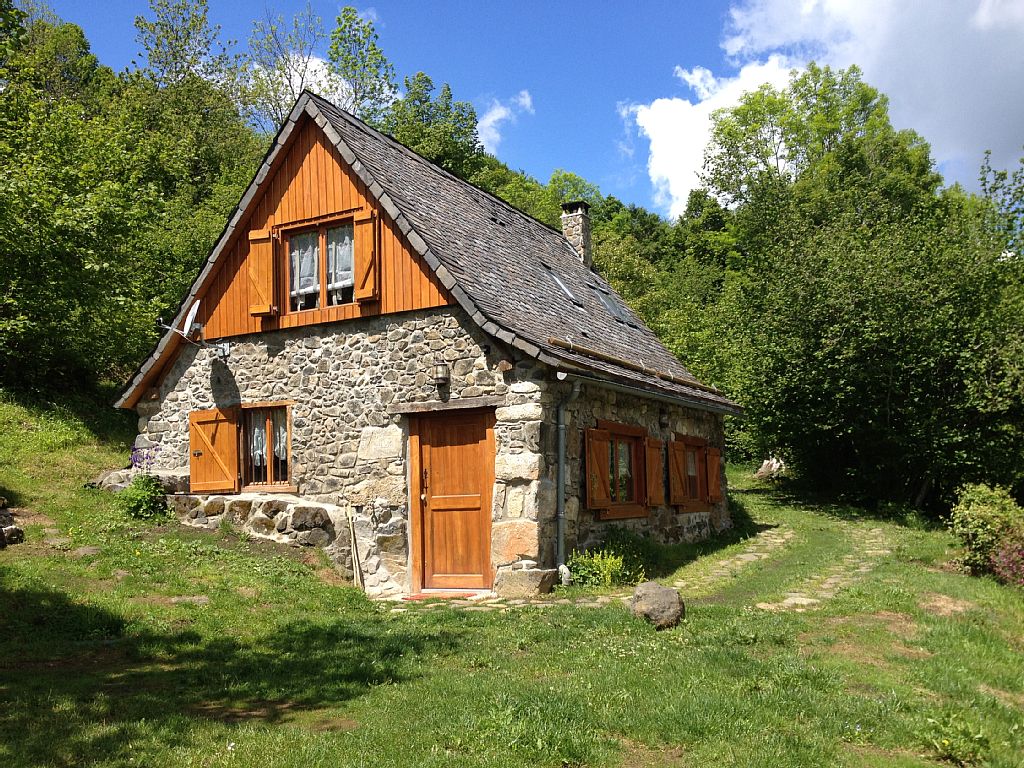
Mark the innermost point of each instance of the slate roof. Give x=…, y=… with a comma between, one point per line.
x=500, y=265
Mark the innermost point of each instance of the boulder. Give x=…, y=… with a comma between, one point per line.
x=659, y=605
x=524, y=582
x=308, y=518
x=771, y=468
x=12, y=534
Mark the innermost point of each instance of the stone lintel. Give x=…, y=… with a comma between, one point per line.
x=488, y=401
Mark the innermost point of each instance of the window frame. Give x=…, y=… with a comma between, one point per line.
x=634, y=436
x=283, y=234
x=698, y=498
x=244, y=467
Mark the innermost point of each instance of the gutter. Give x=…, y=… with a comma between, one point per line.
x=563, y=571
x=700, y=405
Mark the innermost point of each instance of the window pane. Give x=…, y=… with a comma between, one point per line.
x=339, y=265
x=691, y=471
x=256, y=453
x=625, y=474
x=304, y=257
x=279, y=421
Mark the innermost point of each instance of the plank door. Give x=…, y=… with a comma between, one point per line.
x=456, y=458
x=213, y=451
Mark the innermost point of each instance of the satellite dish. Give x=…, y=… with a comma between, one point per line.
x=190, y=318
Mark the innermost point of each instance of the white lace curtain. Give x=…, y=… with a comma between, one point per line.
x=339, y=261
x=258, y=435
x=305, y=265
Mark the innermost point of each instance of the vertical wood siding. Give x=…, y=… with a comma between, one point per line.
x=311, y=180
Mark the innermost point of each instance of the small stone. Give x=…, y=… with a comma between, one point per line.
x=191, y=600
x=661, y=606
x=121, y=575
x=85, y=551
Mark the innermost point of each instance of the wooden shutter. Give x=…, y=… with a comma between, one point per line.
x=700, y=455
x=677, y=494
x=213, y=451
x=714, y=474
x=654, y=464
x=599, y=490
x=260, y=263
x=367, y=259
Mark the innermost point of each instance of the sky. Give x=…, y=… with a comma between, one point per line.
x=622, y=93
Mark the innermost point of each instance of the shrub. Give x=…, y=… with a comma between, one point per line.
x=982, y=519
x=1007, y=561
x=619, y=561
x=144, y=498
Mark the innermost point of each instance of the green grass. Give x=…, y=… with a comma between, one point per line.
x=98, y=665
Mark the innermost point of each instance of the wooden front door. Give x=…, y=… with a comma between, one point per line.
x=452, y=497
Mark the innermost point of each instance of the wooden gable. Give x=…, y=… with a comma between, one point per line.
x=309, y=183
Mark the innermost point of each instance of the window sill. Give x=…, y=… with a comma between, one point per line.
x=621, y=512
x=267, y=488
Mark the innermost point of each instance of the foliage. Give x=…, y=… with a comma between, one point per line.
x=599, y=568
x=439, y=128
x=1005, y=190
x=620, y=560
x=179, y=43
x=145, y=498
x=1007, y=561
x=984, y=518
x=355, y=58
x=281, y=62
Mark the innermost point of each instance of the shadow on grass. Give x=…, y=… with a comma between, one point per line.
x=12, y=496
x=79, y=682
x=661, y=560
x=798, y=495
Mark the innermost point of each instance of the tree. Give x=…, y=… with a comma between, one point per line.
x=356, y=58
x=1005, y=192
x=179, y=42
x=872, y=310
x=282, y=62
x=441, y=129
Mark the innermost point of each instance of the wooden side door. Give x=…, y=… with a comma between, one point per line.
x=213, y=451
x=452, y=535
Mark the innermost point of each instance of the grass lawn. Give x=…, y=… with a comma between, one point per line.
x=267, y=661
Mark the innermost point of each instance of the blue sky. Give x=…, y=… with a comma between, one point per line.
x=620, y=92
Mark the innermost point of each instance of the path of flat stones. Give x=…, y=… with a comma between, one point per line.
x=869, y=546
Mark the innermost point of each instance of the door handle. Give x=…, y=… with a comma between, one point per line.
x=197, y=454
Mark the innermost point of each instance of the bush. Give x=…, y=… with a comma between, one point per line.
x=1007, y=561
x=619, y=561
x=983, y=518
x=144, y=498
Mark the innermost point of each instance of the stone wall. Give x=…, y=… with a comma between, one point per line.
x=665, y=523
x=348, y=443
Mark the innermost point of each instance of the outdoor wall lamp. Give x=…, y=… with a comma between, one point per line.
x=441, y=374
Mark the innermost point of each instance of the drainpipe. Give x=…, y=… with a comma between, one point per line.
x=563, y=571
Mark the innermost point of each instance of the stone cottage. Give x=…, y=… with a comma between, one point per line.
x=394, y=365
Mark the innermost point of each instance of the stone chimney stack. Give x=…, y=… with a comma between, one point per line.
x=576, y=228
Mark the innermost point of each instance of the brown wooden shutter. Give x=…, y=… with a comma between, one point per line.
x=599, y=490
x=260, y=263
x=677, y=494
x=714, y=474
x=213, y=451
x=655, y=471
x=367, y=259
x=702, y=473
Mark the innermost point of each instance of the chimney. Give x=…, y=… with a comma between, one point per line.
x=576, y=228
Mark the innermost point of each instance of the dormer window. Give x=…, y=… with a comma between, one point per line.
x=320, y=267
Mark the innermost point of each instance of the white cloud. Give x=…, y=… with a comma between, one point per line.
x=678, y=129
x=489, y=126
x=952, y=72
